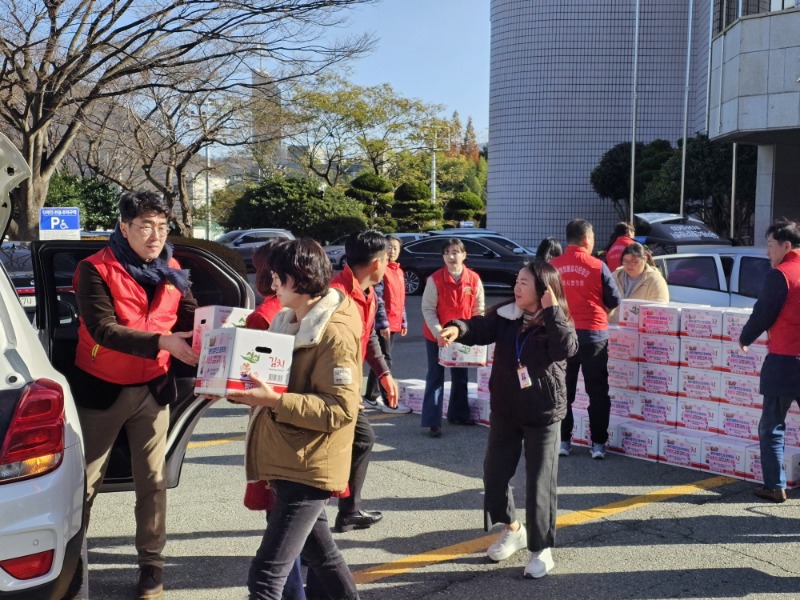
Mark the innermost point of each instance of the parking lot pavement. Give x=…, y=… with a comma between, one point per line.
x=626, y=528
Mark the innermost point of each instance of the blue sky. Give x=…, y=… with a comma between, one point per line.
x=434, y=50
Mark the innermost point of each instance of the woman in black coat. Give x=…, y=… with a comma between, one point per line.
x=534, y=336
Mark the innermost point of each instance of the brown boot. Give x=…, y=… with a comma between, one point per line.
x=149, y=585
x=778, y=495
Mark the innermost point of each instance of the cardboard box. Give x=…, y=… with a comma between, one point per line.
x=580, y=428
x=741, y=390
x=623, y=374
x=657, y=408
x=702, y=322
x=411, y=393
x=479, y=409
x=660, y=349
x=792, y=432
x=629, y=310
x=726, y=455
x=682, y=447
x=484, y=373
x=230, y=355
x=623, y=344
x=581, y=401
x=660, y=319
x=459, y=355
x=490, y=354
x=625, y=403
x=698, y=353
x=614, y=443
x=733, y=320
x=739, y=421
x=640, y=440
x=736, y=360
x=791, y=465
x=699, y=384
x=215, y=317
x=658, y=379
x=700, y=415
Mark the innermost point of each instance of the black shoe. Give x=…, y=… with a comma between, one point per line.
x=150, y=583
x=461, y=422
x=363, y=519
x=435, y=432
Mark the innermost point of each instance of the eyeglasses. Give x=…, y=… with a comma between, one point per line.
x=631, y=262
x=147, y=230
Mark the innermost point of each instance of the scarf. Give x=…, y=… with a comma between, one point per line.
x=148, y=274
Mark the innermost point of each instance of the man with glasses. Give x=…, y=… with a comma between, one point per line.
x=136, y=313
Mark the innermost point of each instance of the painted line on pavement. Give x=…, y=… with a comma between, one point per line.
x=449, y=553
x=193, y=445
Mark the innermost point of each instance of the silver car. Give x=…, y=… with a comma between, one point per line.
x=245, y=241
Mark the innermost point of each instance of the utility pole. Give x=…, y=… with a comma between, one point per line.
x=208, y=193
x=433, y=168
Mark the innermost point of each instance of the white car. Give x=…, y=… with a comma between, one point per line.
x=43, y=554
x=717, y=277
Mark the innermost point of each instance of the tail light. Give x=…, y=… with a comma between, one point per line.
x=34, y=442
x=28, y=567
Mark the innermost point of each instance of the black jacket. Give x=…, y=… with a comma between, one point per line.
x=544, y=353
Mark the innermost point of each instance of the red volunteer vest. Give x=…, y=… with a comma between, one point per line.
x=614, y=254
x=394, y=296
x=455, y=300
x=366, y=304
x=783, y=337
x=262, y=317
x=133, y=310
x=581, y=276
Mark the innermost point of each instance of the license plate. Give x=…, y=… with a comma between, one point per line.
x=28, y=301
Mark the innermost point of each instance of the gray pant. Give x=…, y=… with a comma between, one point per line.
x=146, y=424
x=503, y=451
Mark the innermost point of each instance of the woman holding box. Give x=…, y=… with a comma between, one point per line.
x=638, y=278
x=452, y=292
x=301, y=441
x=533, y=338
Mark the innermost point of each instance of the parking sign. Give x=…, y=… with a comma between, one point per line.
x=62, y=223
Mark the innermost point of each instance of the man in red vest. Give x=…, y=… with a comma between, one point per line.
x=777, y=311
x=591, y=294
x=621, y=239
x=390, y=321
x=132, y=295
x=366, y=265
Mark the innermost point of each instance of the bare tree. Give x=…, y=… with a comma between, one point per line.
x=61, y=57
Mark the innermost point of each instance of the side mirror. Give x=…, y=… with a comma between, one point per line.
x=519, y=251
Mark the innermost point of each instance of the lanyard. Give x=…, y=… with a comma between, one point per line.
x=520, y=347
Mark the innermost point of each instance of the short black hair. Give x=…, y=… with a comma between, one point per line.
x=393, y=238
x=548, y=249
x=306, y=263
x=785, y=230
x=577, y=230
x=262, y=261
x=454, y=242
x=362, y=247
x=136, y=204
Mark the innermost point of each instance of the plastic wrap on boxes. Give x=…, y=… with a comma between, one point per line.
x=701, y=415
x=682, y=447
x=726, y=455
x=660, y=349
x=702, y=322
x=699, y=384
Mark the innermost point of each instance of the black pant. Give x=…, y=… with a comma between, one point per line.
x=298, y=526
x=593, y=360
x=363, y=441
x=373, y=385
x=503, y=451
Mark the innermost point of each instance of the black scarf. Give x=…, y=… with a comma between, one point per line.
x=148, y=274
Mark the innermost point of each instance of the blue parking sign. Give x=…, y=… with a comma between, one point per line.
x=63, y=223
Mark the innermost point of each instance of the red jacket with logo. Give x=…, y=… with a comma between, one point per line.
x=614, y=254
x=366, y=303
x=133, y=309
x=582, y=278
x=783, y=335
x=455, y=300
x=394, y=296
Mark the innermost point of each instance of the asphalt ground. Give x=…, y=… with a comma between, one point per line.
x=626, y=528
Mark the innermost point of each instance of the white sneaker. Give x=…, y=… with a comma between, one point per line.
x=565, y=449
x=401, y=408
x=539, y=563
x=507, y=543
x=598, y=451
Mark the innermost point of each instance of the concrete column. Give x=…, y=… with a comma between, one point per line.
x=777, y=187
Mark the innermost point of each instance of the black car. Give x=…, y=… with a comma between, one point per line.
x=495, y=262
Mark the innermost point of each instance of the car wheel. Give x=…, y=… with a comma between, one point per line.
x=413, y=282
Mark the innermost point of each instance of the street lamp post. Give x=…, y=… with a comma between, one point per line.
x=208, y=193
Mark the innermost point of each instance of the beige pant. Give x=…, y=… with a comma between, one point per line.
x=146, y=424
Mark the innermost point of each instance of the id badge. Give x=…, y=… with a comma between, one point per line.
x=524, y=378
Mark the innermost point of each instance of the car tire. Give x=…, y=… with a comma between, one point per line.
x=413, y=282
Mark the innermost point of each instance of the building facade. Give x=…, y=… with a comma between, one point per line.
x=562, y=94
